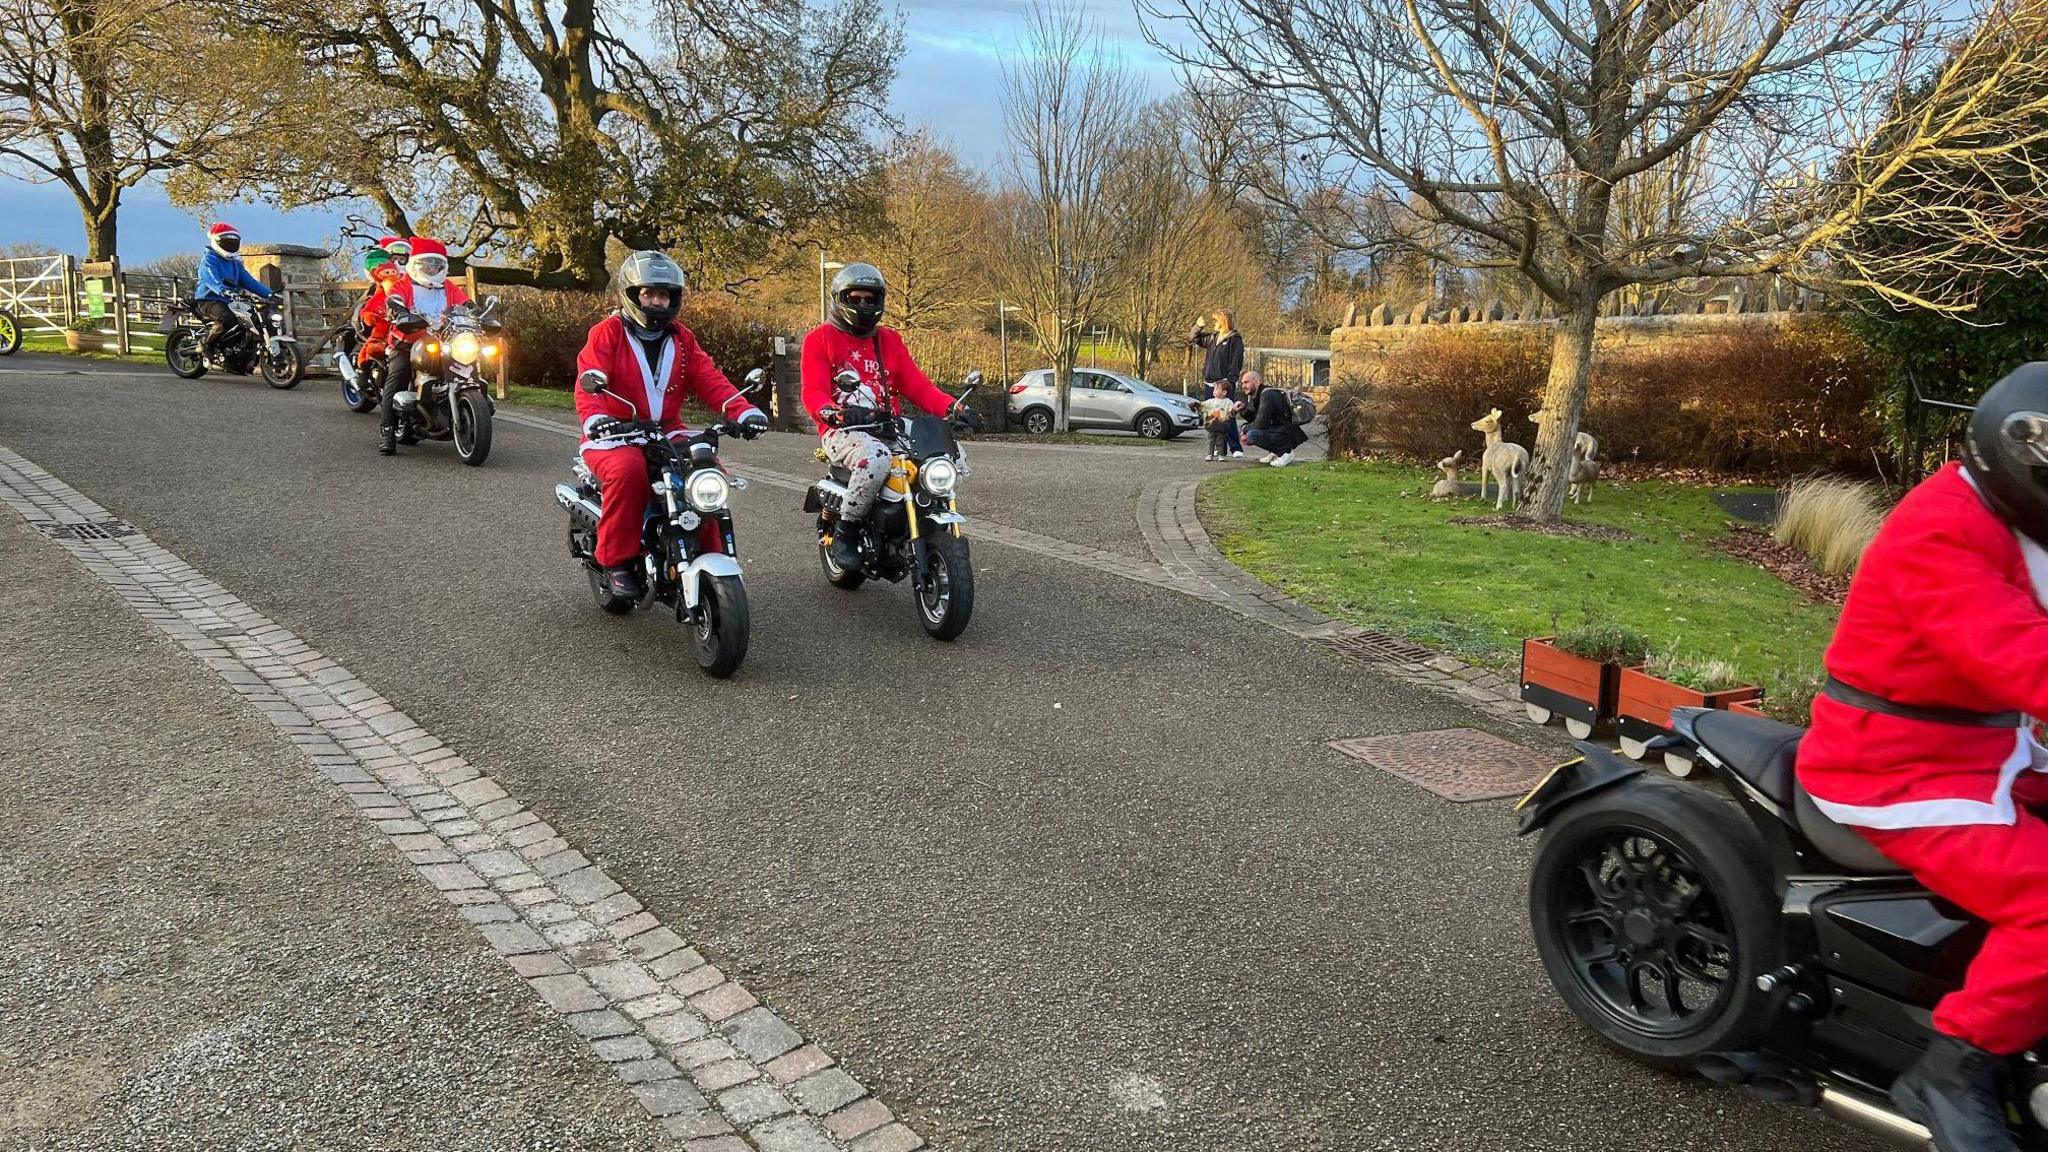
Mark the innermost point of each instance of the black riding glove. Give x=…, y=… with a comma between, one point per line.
x=753, y=424
x=967, y=418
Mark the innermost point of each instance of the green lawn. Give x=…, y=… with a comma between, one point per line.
x=560, y=398
x=1363, y=543
x=54, y=342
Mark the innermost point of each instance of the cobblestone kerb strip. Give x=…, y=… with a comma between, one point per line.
x=721, y=1071
x=1166, y=516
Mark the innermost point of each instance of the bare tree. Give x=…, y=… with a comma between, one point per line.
x=102, y=95
x=1164, y=210
x=1513, y=123
x=1067, y=107
x=931, y=218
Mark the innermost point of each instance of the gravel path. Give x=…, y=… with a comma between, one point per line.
x=201, y=950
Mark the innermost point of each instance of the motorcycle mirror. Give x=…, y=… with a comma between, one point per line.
x=593, y=381
x=847, y=378
x=755, y=379
x=973, y=378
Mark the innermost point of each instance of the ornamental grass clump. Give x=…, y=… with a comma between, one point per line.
x=1831, y=520
x=1788, y=697
x=1703, y=676
x=1607, y=643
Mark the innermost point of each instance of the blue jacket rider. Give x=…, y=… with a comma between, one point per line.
x=220, y=274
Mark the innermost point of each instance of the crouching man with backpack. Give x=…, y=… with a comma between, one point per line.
x=1271, y=417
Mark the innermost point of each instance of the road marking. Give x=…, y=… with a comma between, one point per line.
x=700, y=1052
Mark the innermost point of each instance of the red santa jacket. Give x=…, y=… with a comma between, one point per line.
x=1946, y=612
x=884, y=383
x=375, y=320
x=659, y=387
x=403, y=289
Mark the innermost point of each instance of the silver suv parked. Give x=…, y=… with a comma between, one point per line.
x=1103, y=399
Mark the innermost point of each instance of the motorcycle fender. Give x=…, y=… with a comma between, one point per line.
x=704, y=567
x=1595, y=770
x=948, y=518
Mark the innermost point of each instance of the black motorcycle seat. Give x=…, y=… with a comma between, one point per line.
x=1762, y=752
x=1758, y=748
x=1839, y=842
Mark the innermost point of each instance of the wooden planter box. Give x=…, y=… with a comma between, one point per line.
x=1745, y=708
x=74, y=340
x=1582, y=691
x=1643, y=711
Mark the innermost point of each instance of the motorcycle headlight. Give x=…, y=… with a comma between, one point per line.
x=938, y=475
x=465, y=347
x=707, y=490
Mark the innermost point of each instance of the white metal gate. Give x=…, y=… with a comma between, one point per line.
x=37, y=289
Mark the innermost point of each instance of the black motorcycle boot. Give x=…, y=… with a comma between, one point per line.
x=1953, y=1092
x=387, y=440
x=846, y=544
x=625, y=581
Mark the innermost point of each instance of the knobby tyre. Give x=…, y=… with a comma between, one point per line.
x=721, y=630
x=945, y=597
x=1653, y=918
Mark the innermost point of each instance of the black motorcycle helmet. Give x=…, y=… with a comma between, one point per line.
x=858, y=317
x=2006, y=451
x=649, y=269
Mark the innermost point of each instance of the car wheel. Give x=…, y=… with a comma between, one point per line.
x=1153, y=425
x=1038, y=421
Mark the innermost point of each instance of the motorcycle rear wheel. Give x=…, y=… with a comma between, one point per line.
x=721, y=631
x=284, y=368
x=181, y=353
x=10, y=333
x=1653, y=919
x=945, y=594
x=601, y=591
x=363, y=393
x=846, y=578
x=472, y=427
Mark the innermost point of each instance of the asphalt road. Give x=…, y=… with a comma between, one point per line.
x=1160, y=914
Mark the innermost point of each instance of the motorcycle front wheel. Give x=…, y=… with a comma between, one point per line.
x=722, y=626
x=181, y=353
x=472, y=427
x=945, y=595
x=283, y=368
x=1653, y=919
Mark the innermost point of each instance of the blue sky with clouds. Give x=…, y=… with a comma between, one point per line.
x=950, y=80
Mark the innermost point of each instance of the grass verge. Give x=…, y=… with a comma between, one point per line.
x=1362, y=543
x=560, y=399
x=54, y=342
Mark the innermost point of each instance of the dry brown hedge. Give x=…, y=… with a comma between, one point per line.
x=1767, y=398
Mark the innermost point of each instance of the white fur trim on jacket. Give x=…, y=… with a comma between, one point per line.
x=1946, y=813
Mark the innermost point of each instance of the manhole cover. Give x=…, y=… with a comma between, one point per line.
x=1380, y=648
x=1455, y=763
x=91, y=530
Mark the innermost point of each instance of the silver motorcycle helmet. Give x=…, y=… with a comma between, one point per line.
x=649, y=269
x=858, y=317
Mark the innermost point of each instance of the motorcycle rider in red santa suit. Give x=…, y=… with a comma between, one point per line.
x=650, y=362
x=1922, y=740
x=854, y=340
x=424, y=291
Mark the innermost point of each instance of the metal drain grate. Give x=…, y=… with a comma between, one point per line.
x=1457, y=764
x=90, y=530
x=1380, y=648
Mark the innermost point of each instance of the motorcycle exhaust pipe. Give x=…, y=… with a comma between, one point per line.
x=1875, y=1119
x=582, y=510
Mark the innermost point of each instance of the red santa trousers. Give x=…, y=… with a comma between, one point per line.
x=623, y=506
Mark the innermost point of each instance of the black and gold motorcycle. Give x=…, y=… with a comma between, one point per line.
x=914, y=528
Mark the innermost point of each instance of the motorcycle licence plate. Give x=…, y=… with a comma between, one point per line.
x=1549, y=776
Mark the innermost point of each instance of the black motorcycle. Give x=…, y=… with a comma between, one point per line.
x=447, y=400
x=692, y=560
x=256, y=341
x=1746, y=936
x=914, y=527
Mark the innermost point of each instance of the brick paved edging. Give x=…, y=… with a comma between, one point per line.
x=700, y=1052
x=1174, y=532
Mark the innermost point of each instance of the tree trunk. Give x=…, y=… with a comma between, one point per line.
x=1564, y=397
x=102, y=228
x=1062, y=389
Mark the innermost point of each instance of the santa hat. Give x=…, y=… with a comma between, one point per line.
x=221, y=233
x=427, y=246
x=396, y=245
